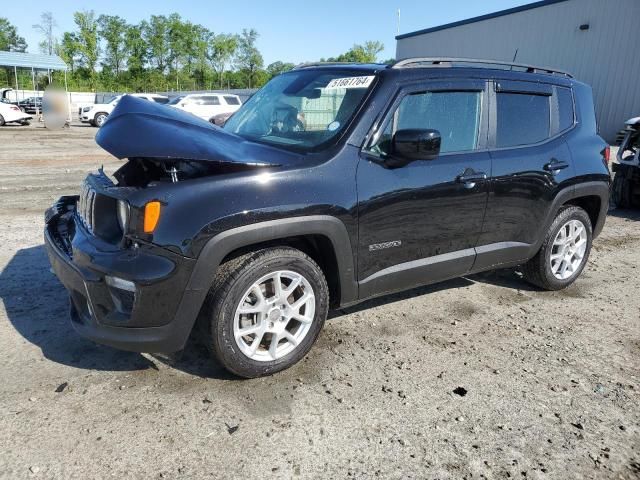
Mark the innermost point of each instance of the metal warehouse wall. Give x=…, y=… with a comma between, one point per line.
x=605, y=56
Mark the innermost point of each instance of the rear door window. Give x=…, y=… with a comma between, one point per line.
x=209, y=100
x=231, y=100
x=523, y=119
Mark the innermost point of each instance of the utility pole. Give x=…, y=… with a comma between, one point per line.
x=398, y=27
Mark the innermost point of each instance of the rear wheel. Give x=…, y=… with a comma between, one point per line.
x=564, y=252
x=1, y=120
x=265, y=311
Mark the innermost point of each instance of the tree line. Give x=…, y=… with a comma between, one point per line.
x=161, y=53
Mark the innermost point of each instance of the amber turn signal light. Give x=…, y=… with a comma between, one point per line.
x=151, y=216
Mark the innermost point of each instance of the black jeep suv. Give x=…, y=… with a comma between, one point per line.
x=331, y=185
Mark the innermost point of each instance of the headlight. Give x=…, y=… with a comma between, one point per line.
x=123, y=215
x=86, y=109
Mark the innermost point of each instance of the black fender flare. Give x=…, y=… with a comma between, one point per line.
x=599, y=188
x=216, y=249
x=219, y=246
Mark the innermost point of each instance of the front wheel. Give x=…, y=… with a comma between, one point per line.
x=99, y=119
x=1, y=121
x=265, y=311
x=564, y=252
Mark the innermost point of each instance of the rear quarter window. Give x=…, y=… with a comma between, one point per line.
x=523, y=119
x=231, y=100
x=565, y=108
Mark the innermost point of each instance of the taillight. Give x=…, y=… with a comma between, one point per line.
x=13, y=107
x=606, y=155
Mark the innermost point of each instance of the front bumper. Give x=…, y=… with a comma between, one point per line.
x=155, y=317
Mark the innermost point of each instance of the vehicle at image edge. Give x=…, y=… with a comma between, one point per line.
x=333, y=184
x=207, y=105
x=10, y=113
x=98, y=113
x=626, y=181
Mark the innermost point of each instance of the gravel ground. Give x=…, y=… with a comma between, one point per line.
x=480, y=377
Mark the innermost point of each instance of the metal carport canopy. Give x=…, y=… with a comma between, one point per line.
x=32, y=60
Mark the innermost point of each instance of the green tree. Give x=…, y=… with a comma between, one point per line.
x=136, y=48
x=113, y=29
x=200, y=52
x=371, y=49
x=9, y=38
x=68, y=50
x=155, y=33
x=87, y=43
x=46, y=26
x=367, y=53
x=276, y=68
x=249, y=58
x=223, y=48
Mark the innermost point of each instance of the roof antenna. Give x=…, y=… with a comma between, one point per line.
x=514, y=58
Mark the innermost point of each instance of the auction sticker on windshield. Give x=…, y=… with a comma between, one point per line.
x=350, y=82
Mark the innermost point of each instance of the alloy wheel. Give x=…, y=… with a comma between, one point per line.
x=274, y=316
x=569, y=246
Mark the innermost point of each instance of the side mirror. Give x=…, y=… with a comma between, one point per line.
x=414, y=144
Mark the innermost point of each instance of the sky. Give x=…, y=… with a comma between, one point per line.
x=290, y=31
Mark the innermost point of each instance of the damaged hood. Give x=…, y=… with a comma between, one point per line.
x=138, y=128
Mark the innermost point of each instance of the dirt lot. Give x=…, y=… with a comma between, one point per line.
x=552, y=380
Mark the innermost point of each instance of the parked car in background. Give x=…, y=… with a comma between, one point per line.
x=31, y=105
x=10, y=113
x=97, y=114
x=207, y=105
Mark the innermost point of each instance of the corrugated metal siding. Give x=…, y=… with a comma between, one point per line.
x=605, y=56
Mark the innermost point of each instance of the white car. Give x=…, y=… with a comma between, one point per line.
x=207, y=105
x=97, y=114
x=10, y=113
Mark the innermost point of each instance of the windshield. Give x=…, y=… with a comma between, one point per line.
x=301, y=109
x=176, y=100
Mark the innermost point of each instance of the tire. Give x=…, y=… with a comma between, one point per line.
x=622, y=189
x=539, y=270
x=232, y=289
x=99, y=119
x=1, y=121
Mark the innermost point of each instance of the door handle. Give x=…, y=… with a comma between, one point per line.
x=554, y=166
x=471, y=178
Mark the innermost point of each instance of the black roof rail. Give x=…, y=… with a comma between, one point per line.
x=418, y=62
x=319, y=64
